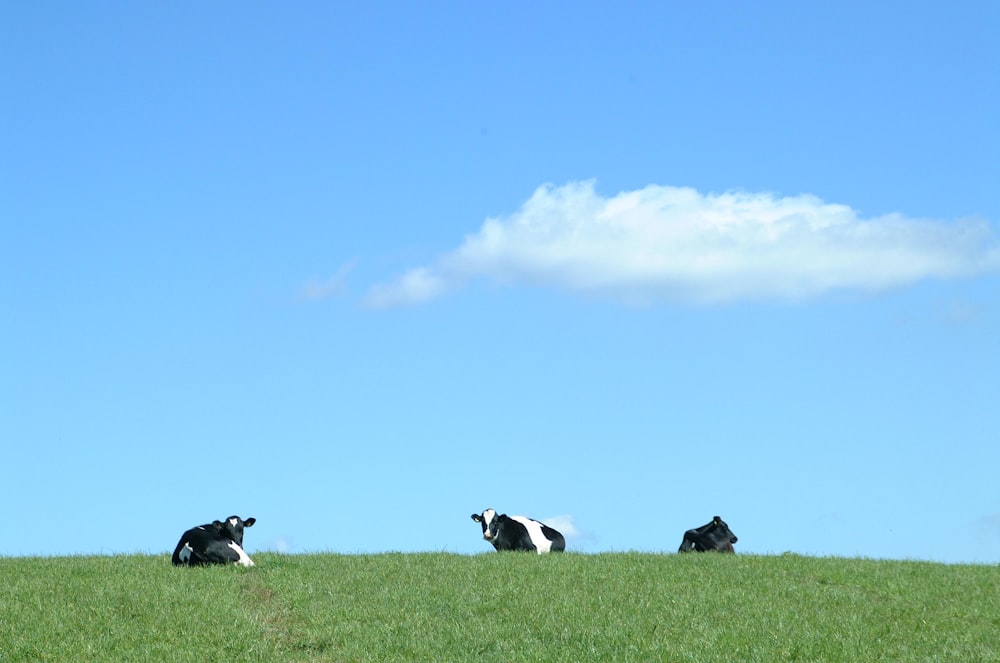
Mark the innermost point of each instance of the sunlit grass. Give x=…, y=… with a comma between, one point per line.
x=510, y=607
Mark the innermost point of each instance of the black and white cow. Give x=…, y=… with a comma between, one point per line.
x=715, y=536
x=519, y=533
x=219, y=542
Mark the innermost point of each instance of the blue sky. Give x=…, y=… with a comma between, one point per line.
x=360, y=270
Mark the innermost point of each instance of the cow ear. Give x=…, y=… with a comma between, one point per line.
x=716, y=520
x=477, y=517
x=217, y=524
x=249, y=522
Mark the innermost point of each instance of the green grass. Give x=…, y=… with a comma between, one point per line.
x=498, y=607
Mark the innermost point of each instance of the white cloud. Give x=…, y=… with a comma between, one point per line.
x=281, y=544
x=665, y=243
x=566, y=525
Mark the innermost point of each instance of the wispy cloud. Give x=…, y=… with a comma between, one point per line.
x=333, y=286
x=989, y=525
x=414, y=287
x=674, y=244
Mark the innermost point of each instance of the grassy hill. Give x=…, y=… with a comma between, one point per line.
x=503, y=607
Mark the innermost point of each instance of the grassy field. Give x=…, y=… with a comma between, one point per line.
x=503, y=607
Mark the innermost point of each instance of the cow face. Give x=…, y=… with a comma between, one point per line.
x=232, y=528
x=720, y=532
x=490, y=521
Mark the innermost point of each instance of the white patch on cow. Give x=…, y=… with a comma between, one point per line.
x=233, y=521
x=185, y=553
x=244, y=558
x=534, y=528
x=488, y=517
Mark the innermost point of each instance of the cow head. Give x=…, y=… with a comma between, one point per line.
x=721, y=534
x=490, y=522
x=232, y=528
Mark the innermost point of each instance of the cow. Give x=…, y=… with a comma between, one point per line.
x=219, y=542
x=715, y=536
x=519, y=533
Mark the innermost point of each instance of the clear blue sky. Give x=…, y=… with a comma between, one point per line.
x=360, y=270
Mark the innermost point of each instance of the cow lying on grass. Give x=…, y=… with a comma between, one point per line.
x=715, y=536
x=519, y=533
x=219, y=542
